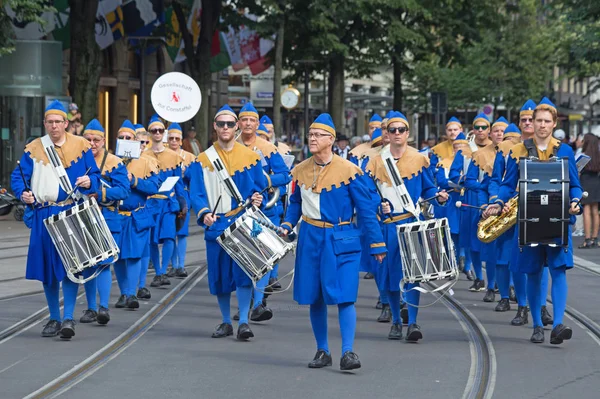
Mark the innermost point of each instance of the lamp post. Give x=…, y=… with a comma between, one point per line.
x=307, y=64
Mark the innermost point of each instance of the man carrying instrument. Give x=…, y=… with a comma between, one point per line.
x=278, y=176
x=402, y=177
x=533, y=259
x=114, y=187
x=47, y=173
x=226, y=176
x=328, y=190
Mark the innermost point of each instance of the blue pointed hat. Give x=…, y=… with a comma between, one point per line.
x=376, y=137
x=384, y=122
x=512, y=131
x=545, y=103
x=155, y=122
x=248, y=110
x=95, y=128
x=265, y=120
x=454, y=119
x=527, y=108
x=324, y=122
x=175, y=130
x=398, y=116
x=226, y=110
x=139, y=128
x=128, y=127
x=375, y=121
x=481, y=118
x=262, y=130
x=500, y=122
x=460, y=139
x=55, y=108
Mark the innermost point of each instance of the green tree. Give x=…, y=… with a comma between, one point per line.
x=26, y=11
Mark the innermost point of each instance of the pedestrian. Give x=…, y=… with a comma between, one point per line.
x=590, y=182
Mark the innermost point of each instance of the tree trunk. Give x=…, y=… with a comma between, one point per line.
x=277, y=76
x=336, y=91
x=398, y=65
x=85, y=58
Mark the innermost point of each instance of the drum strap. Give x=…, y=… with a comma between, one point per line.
x=398, y=184
x=223, y=174
x=57, y=166
x=532, y=150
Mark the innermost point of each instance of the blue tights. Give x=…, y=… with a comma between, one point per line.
x=559, y=294
x=178, y=258
x=520, y=280
x=52, y=292
x=101, y=284
x=412, y=297
x=259, y=291
x=143, y=271
x=347, y=320
x=167, y=252
x=503, y=279
x=128, y=274
x=467, y=254
x=477, y=266
x=244, y=295
x=490, y=272
x=275, y=272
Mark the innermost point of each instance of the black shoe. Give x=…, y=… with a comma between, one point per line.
x=68, y=329
x=170, y=272
x=132, y=302
x=261, y=313
x=496, y=289
x=321, y=359
x=379, y=305
x=395, y=332
x=522, y=316
x=369, y=276
x=547, y=319
x=349, y=361
x=560, y=333
x=223, y=330
x=121, y=303
x=164, y=280
x=461, y=263
x=512, y=295
x=89, y=316
x=181, y=273
x=274, y=283
x=414, y=333
x=236, y=316
x=156, y=281
x=503, y=305
x=404, y=314
x=490, y=296
x=470, y=275
x=103, y=316
x=51, y=329
x=478, y=285
x=144, y=293
x=244, y=332
x=538, y=335
x=386, y=314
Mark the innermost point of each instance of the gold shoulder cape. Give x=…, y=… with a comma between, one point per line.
x=505, y=147
x=283, y=149
x=360, y=149
x=338, y=172
x=167, y=159
x=409, y=165
x=70, y=152
x=267, y=148
x=519, y=150
x=485, y=157
x=187, y=157
x=112, y=161
x=143, y=167
x=443, y=150
x=238, y=159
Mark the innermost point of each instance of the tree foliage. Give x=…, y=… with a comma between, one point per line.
x=25, y=11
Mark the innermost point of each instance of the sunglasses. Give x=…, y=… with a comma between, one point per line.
x=144, y=141
x=125, y=138
x=480, y=127
x=221, y=124
x=526, y=120
x=400, y=130
x=161, y=131
x=174, y=138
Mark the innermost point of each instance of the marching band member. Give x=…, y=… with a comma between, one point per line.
x=175, y=138
x=328, y=190
x=357, y=152
x=412, y=167
x=43, y=189
x=282, y=148
x=136, y=221
x=114, y=187
x=444, y=149
x=142, y=136
x=217, y=208
x=481, y=126
x=278, y=176
x=532, y=260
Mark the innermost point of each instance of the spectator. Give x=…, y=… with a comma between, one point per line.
x=354, y=141
x=75, y=127
x=73, y=112
x=342, y=148
x=190, y=143
x=590, y=182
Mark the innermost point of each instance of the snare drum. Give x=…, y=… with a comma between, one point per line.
x=427, y=251
x=543, y=214
x=255, y=248
x=82, y=239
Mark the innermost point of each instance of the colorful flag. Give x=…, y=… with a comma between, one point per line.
x=219, y=57
x=193, y=25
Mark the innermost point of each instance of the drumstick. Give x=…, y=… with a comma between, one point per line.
x=583, y=196
x=216, y=206
x=459, y=204
x=435, y=196
x=27, y=185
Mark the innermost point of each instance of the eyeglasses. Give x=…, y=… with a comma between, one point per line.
x=317, y=135
x=144, y=141
x=174, y=139
x=157, y=130
x=54, y=122
x=221, y=124
x=95, y=140
x=400, y=130
x=526, y=120
x=480, y=127
x=125, y=138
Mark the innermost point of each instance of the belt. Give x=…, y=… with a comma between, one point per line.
x=161, y=196
x=322, y=224
x=397, y=218
x=68, y=201
x=125, y=213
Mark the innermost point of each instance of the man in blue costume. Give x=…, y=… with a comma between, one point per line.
x=357, y=152
x=328, y=190
x=278, y=176
x=114, y=187
x=413, y=169
x=207, y=192
x=44, y=190
x=533, y=259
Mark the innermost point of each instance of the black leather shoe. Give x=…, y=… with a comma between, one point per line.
x=244, y=332
x=560, y=333
x=51, y=329
x=490, y=296
x=89, y=316
x=275, y=284
x=547, y=319
x=478, y=285
x=181, y=273
x=404, y=314
x=156, y=281
x=414, y=333
x=144, y=293
x=470, y=275
x=379, y=305
x=349, y=361
x=321, y=359
x=132, y=302
x=170, y=272
x=68, y=329
x=395, y=332
x=261, y=313
x=496, y=289
x=164, y=280
x=236, y=316
x=121, y=302
x=503, y=305
x=522, y=316
x=223, y=330
x=512, y=295
x=386, y=314
x=103, y=316
x=538, y=335
x=369, y=276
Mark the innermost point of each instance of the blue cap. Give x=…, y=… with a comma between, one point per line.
x=175, y=129
x=127, y=126
x=265, y=120
x=481, y=118
x=139, y=128
x=375, y=121
x=460, y=139
x=512, y=131
x=324, y=122
x=454, y=119
x=155, y=122
x=500, y=122
x=527, y=108
x=376, y=137
x=226, y=110
x=248, y=110
x=545, y=103
x=398, y=116
x=55, y=108
x=94, y=127
x=262, y=130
